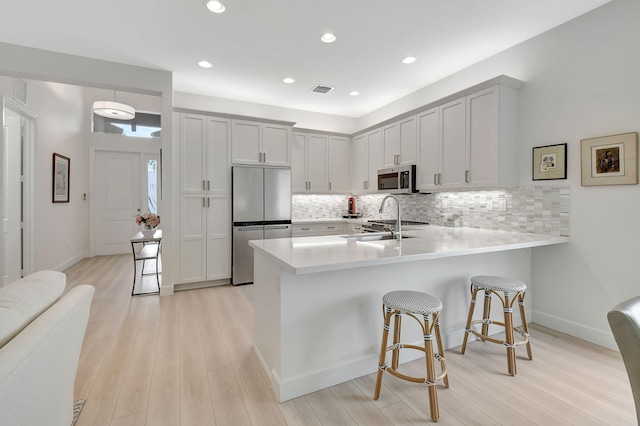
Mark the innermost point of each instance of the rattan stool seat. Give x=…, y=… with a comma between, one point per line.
x=504, y=284
x=414, y=302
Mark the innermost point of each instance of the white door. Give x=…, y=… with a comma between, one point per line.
x=12, y=199
x=118, y=199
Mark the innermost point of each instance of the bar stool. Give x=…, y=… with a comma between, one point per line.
x=413, y=303
x=503, y=288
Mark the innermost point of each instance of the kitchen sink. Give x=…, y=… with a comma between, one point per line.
x=374, y=236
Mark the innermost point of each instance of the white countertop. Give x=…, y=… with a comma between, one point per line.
x=328, y=220
x=305, y=255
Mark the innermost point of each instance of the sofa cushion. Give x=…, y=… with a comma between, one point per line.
x=24, y=300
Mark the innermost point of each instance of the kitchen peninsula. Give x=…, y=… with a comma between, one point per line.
x=317, y=300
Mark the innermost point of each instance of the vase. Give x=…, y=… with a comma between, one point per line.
x=148, y=231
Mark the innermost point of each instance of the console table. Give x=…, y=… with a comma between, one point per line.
x=146, y=247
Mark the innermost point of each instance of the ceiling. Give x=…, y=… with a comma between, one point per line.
x=256, y=43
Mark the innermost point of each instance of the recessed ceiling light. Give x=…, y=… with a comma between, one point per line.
x=205, y=64
x=354, y=93
x=215, y=6
x=288, y=80
x=328, y=38
x=409, y=60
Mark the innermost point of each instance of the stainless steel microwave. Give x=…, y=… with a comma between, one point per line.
x=398, y=180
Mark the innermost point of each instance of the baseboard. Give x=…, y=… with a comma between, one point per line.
x=575, y=329
x=69, y=263
x=202, y=284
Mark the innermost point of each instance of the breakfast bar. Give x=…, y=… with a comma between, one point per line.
x=317, y=300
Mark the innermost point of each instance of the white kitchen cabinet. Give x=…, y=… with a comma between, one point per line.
x=338, y=164
x=259, y=143
x=360, y=163
x=428, y=166
x=309, y=166
x=205, y=185
x=492, y=149
x=399, y=142
x=205, y=242
x=310, y=229
x=473, y=145
x=374, y=147
x=204, y=152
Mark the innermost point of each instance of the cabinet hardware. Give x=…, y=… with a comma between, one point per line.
x=203, y=186
x=208, y=202
x=439, y=178
x=466, y=176
x=329, y=186
x=208, y=185
x=304, y=229
x=264, y=157
x=331, y=227
x=435, y=178
x=204, y=203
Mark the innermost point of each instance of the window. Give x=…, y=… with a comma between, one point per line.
x=144, y=125
x=152, y=187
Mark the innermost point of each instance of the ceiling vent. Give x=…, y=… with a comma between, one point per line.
x=319, y=88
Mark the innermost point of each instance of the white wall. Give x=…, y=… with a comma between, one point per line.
x=61, y=231
x=302, y=119
x=582, y=80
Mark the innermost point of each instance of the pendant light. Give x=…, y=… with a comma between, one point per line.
x=115, y=110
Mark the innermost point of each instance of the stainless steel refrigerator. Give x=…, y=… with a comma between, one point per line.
x=261, y=210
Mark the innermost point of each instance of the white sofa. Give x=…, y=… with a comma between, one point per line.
x=41, y=334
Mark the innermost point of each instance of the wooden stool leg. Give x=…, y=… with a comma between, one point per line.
x=472, y=305
x=525, y=326
x=383, y=353
x=509, y=341
x=486, y=313
x=443, y=363
x=395, y=355
x=431, y=371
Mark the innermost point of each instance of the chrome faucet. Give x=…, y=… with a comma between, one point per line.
x=398, y=233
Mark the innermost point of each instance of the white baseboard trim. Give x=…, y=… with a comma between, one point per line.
x=575, y=329
x=69, y=263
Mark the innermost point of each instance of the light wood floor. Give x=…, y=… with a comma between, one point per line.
x=187, y=360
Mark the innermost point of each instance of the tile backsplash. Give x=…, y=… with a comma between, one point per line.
x=531, y=209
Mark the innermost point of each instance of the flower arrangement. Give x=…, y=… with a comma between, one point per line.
x=149, y=220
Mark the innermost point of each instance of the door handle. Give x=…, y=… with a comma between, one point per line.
x=439, y=178
x=208, y=202
x=204, y=203
x=435, y=178
x=466, y=176
x=208, y=185
x=203, y=187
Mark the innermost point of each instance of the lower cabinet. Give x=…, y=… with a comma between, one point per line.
x=311, y=229
x=205, y=237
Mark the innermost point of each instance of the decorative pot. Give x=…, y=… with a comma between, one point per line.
x=148, y=231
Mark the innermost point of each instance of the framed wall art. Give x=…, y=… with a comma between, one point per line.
x=550, y=162
x=610, y=160
x=61, y=169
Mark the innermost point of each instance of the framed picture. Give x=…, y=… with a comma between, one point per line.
x=610, y=160
x=61, y=169
x=550, y=162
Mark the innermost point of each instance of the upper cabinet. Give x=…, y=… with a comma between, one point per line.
x=338, y=164
x=320, y=163
x=309, y=165
x=469, y=142
x=259, y=143
x=399, y=142
x=204, y=154
x=360, y=163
